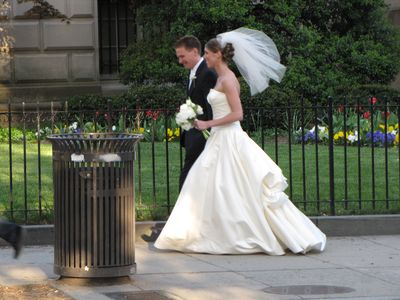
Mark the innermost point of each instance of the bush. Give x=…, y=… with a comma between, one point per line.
x=154, y=96
x=367, y=91
x=97, y=102
x=326, y=46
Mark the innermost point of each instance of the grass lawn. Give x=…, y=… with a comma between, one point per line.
x=153, y=194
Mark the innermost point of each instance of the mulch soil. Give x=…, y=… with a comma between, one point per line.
x=33, y=291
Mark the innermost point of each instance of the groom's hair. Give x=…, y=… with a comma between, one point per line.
x=189, y=42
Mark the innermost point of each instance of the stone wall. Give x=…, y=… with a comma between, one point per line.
x=51, y=57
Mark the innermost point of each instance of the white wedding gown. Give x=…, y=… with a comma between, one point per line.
x=233, y=200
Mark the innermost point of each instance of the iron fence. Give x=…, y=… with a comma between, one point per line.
x=342, y=157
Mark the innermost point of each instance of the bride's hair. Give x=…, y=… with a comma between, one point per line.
x=227, y=52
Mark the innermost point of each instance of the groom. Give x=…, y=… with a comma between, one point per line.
x=201, y=80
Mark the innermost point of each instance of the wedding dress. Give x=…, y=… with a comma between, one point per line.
x=233, y=200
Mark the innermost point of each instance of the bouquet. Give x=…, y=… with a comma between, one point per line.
x=187, y=114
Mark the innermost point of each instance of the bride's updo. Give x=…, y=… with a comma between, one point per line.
x=227, y=52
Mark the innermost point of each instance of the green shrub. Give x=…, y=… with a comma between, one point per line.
x=328, y=47
x=364, y=92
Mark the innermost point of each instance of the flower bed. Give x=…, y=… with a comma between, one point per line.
x=357, y=125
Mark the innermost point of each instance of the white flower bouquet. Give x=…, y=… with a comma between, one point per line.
x=187, y=114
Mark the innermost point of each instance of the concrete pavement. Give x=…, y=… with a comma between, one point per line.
x=362, y=267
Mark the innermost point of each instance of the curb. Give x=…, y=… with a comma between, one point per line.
x=331, y=225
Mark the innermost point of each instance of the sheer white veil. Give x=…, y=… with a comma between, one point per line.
x=256, y=57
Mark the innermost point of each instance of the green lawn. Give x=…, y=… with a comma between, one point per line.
x=152, y=199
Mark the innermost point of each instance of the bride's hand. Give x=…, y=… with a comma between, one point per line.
x=201, y=125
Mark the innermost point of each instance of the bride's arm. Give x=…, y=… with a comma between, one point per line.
x=232, y=94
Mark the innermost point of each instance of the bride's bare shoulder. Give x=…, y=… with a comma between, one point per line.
x=229, y=82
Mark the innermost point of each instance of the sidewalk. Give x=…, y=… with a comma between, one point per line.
x=366, y=267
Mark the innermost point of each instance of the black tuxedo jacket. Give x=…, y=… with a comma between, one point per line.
x=199, y=89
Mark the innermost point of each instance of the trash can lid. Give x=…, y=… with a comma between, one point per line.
x=105, y=142
x=95, y=136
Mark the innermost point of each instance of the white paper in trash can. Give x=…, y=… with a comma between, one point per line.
x=109, y=157
x=77, y=157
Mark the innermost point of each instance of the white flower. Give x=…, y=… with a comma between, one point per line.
x=199, y=110
x=186, y=126
x=113, y=128
x=187, y=114
x=73, y=126
x=320, y=129
x=353, y=137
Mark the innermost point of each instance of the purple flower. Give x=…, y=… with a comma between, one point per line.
x=378, y=137
x=310, y=136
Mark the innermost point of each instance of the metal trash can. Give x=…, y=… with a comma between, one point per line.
x=94, y=211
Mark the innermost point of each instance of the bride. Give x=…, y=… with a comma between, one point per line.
x=233, y=200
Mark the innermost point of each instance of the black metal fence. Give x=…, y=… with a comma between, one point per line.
x=340, y=158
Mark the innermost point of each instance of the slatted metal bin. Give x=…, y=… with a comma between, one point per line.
x=94, y=218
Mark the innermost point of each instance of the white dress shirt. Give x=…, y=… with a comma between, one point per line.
x=193, y=71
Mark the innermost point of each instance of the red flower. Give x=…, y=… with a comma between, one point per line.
x=155, y=115
x=107, y=116
x=373, y=100
x=367, y=114
x=386, y=114
x=149, y=113
x=97, y=114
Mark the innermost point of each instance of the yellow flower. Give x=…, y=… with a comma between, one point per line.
x=396, y=126
x=396, y=140
x=177, y=132
x=336, y=137
x=382, y=126
x=141, y=130
x=341, y=134
x=390, y=129
x=170, y=132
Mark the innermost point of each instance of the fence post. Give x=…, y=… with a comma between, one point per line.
x=331, y=158
x=289, y=112
x=25, y=169
x=316, y=121
x=109, y=114
x=303, y=156
x=398, y=133
x=386, y=115
x=10, y=195
x=38, y=128
x=81, y=124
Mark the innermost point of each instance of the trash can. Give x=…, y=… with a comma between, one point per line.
x=94, y=209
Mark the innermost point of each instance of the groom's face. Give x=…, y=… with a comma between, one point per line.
x=187, y=57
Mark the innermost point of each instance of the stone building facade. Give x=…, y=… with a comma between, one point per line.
x=51, y=56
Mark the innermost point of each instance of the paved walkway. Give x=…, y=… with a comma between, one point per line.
x=366, y=267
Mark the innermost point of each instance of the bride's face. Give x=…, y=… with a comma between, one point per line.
x=211, y=58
